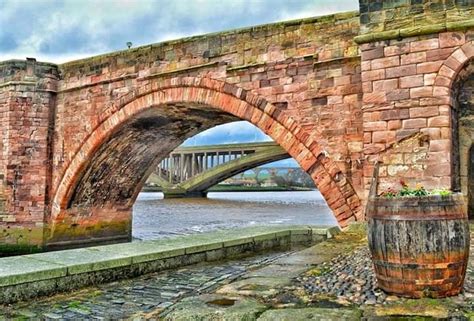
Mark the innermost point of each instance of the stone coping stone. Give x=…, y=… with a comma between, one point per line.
x=328, y=231
x=84, y=260
x=140, y=252
x=20, y=269
x=51, y=265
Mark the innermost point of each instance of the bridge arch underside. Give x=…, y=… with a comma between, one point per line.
x=93, y=202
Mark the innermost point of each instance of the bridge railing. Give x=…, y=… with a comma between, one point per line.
x=181, y=166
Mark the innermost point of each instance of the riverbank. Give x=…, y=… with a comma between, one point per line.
x=239, y=188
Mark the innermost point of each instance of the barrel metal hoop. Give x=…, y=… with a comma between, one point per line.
x=418, y=218
x=451, y=280
x=430, y=266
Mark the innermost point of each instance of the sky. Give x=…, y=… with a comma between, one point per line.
x=63, y=30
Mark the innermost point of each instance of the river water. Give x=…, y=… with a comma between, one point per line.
x=155, y=217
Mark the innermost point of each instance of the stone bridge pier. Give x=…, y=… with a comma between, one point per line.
x=390, y=83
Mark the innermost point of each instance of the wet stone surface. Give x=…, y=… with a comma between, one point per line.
x=139, y=297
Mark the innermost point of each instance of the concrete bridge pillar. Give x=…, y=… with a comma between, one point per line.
x=27, y=106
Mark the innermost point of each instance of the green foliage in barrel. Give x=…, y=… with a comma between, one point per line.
x=417, y=191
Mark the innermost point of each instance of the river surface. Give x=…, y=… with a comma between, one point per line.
x=155, y=217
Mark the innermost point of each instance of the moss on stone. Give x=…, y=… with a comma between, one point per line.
x=421, y=308
x=311, y=314
x=66, y=236
x=318, y=271
x=460, y=25
x=17, y=249
x=426, y=29
x=21, y=240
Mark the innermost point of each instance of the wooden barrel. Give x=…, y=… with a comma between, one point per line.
x=419, y=245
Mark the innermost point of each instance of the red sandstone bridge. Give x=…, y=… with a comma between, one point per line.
x=392, y=83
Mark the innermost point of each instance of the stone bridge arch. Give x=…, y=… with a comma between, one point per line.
x=450, y=79
x=450, y=69
x=80, y=214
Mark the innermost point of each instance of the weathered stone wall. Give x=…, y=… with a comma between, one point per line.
x=464, y=129
x=27, y=108
x=470, y=183
x=308, y=69
x=405, y=18
x=407, y=90
x=418, y=50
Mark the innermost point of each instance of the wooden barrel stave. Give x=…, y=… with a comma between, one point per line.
x=434, y=254
x=419, y=246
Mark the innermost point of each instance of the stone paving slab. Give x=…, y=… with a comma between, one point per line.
x=317, y=314
x=215, y=307
x=255, y=286
x=279, y=270
x=128, y=259
x=83, y=260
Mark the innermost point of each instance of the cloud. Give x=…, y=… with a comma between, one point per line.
x=56, y=30
x=231, y=133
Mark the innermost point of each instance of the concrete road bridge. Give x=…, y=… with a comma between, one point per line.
x=292, y=175
x=392, y=82
x=191, y=171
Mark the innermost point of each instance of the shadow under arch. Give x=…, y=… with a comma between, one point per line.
x=90, y=202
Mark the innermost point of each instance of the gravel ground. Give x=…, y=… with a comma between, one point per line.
x=351, y=279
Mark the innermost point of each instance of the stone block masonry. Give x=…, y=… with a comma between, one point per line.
x=337, y=93
x=420, y=102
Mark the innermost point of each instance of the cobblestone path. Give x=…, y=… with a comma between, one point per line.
x=139, y=296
